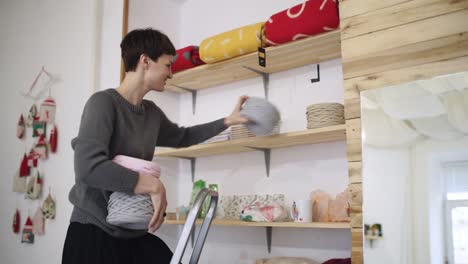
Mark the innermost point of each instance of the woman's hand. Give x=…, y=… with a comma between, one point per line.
x=235, y=118
x=159, y=204
x=148, y=184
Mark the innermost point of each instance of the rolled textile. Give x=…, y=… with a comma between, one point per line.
x=132, y=211
x=307, y=19
x=232, y=43
x=186, y=58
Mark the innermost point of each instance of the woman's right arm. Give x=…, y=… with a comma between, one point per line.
x=93, y=166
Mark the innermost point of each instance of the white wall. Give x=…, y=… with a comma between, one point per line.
x=60, y=36
x=428, y=158
x=294, y=171
x=404, y=190
x=386, y=184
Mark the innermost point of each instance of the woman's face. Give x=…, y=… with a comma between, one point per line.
x=158, y=72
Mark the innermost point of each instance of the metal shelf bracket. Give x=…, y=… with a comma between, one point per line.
x=265, y=79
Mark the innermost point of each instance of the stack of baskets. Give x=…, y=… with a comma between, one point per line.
x=241, y=131
x=325, y=114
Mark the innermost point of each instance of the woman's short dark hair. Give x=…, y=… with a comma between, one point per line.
x=147, y=41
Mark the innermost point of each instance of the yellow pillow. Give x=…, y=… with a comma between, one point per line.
x=231, y=44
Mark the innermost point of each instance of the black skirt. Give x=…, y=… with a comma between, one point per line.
x=86, y=243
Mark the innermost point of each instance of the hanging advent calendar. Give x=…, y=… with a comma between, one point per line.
x=38, y=131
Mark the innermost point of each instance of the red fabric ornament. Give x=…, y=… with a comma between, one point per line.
x=32, y=158
x=303, y=20
x=41, y=147
x=186, y=58
x=24, y=169
x=47, y=111
x=53, y=139
x=16, y=222
x=21, y=127
x=28, y=235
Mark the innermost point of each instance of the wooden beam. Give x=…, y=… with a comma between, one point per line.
x=403, y=75
x=397, y=15
x=407, y=34
x=354, y=172
x=353, y=139
x=124, y=32
x=433, y=50
x=349, y=8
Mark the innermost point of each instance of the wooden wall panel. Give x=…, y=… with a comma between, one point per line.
x=389, y=42
x=445, y=48
x=403, y=75
x=419, y=31
x=354, y=172
x=357, y=240
x=397, y=15
x=349, y=8
x=353, y=139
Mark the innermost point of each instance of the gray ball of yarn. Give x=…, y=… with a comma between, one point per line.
x=263, y=115
x=131, y=211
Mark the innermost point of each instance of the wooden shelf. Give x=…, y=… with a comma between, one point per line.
x=310, y=136
x=306, y=51
x=330, y=225
x=373, y=237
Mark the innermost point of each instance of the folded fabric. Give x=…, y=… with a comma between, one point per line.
x=186, y=58
x=263, y=213
x=132, y=211
x=138, y=165
x=231, y=44
x=303, y=20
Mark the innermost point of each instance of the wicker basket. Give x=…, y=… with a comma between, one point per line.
x=325, y=114
x=241, y=131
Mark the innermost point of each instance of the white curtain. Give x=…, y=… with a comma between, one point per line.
x=380, y=130
x=456, y=105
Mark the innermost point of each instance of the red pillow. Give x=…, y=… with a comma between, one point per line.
x=307, y=19
x=338, y=261
x=186, y=58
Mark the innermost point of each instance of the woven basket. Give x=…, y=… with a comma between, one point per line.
x=241, y=131
x=325, y=114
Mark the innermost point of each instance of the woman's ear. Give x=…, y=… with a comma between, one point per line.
x=144, y=61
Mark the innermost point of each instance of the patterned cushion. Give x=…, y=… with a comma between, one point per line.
x=307, y=19
x=231, y=44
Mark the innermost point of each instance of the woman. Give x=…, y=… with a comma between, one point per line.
x=120, y=122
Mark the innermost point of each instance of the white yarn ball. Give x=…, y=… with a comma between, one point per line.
x=132, y=211
x=263, y=115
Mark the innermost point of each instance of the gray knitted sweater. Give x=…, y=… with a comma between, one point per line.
x=111, y=126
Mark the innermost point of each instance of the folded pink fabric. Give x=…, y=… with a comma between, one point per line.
x=138, y=165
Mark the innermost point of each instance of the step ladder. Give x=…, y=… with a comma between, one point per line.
x=190, y=224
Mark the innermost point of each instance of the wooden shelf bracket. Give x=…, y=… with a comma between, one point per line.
x=267, y=155
x=265, y=79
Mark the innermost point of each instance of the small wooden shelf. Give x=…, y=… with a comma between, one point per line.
x=330, y=225
x=299, y=53
x=373, y=237
x=310, y=136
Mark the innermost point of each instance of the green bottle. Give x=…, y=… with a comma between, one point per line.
x=197, y=187
x=206, y=204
